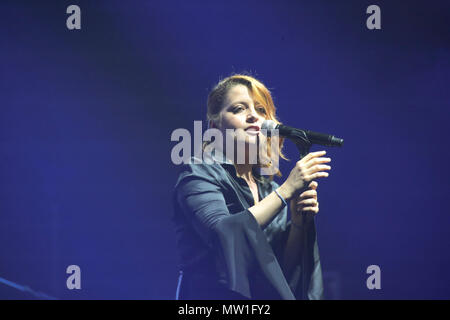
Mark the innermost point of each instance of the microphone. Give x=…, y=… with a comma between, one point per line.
x=313, y=137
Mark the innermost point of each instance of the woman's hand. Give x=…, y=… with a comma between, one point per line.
x=309, y=168
x=305, y=206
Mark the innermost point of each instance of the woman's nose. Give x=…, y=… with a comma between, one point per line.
x=252, y=116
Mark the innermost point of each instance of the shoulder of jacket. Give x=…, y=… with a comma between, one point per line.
x=196, y=168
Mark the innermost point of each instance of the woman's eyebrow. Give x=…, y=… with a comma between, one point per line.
x=240, y=101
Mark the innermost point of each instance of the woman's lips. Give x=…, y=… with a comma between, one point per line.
x=253, y=130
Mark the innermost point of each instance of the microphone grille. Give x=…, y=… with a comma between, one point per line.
x=269, y=125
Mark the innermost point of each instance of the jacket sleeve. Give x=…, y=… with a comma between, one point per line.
x=306, y=279
x=238, y=243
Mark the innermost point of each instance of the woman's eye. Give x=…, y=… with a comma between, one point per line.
x=262, y=110
x=237, y=109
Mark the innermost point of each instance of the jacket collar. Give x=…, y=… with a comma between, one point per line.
x=217, y=156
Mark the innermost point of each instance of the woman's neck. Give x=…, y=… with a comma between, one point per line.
x=244, y=171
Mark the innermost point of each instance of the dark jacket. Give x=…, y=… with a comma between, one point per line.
x=223, y=252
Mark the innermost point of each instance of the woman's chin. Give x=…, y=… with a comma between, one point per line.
x=251, y=140
x=252, y=135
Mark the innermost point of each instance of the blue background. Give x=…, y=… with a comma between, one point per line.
x=86, y=118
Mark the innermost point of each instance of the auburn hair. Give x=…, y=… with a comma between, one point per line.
x=260, y=95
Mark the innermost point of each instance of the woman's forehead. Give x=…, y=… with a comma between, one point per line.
x=238, y=93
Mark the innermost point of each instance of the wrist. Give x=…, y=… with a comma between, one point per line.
x=283, y=200
x=284, y=192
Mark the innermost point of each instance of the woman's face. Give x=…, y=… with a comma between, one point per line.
x=241, y=113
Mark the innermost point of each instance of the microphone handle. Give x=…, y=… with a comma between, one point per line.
x=314, y=137
x=324, y=139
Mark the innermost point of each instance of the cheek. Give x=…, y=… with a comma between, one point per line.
x=232, y=122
